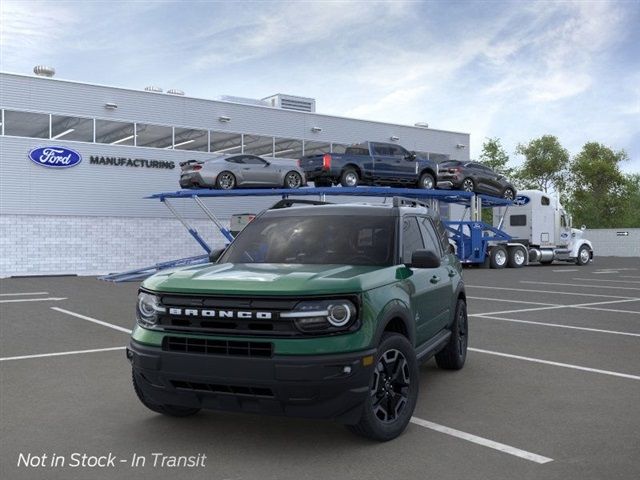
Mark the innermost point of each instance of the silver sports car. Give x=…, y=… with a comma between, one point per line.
x=226, y=172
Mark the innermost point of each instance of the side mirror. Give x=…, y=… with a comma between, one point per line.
x=583, y=227
x=214, y=255
x=410, y=156
x=424, y=259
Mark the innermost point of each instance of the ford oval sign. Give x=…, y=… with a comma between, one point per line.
x=55, y=157
x=521, y=200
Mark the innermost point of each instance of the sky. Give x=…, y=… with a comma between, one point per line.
x=509, y=69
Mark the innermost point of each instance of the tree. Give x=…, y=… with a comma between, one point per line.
x=495, y=157
x=600, y=192
x=545, y=164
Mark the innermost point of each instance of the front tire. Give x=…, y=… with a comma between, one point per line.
x=225, y=180
x=468, y=185
x=584, y=255
x=453, y=356
x=292, y=180
x=349, y=178
x=427, y=182
x=393, y=391
x=169, y=410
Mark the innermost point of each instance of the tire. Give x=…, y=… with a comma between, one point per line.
x=498, y=257
x=225, y=180
x=517, y=257
x=292, y=180
x=427, y=182
x=170, y=410
x=584, y=255
x=397, y=357
x=468, y=185
x=508, y=194
x=453, y=356
x=349, y=178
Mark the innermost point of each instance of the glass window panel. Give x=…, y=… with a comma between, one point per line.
x=156, y=136
x=72, y=128
x=338, y=148
x=288, y=148
x=115, y=133
x=226, y=143
x=439, y=157
x=257, y=145
x=191, y=139
x=26, y=124
x=316, y=148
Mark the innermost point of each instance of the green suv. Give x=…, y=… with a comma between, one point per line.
x=314, y=310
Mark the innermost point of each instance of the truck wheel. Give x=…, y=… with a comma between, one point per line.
x=170, y=410
x=453, y=356
x=393, y=391
x=517, y=257
x=427, y=182
x=225, y=180
x=498, y=257
x=584, y=255
x=349, y=178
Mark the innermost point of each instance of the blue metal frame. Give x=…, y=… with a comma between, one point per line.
x=472, y=247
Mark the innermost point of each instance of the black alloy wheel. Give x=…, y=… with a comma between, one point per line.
x=390, y=388
x=508, y=194
x=225, y=180
x=454, y=355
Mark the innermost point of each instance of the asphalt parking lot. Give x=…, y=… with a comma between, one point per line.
x=551, y=389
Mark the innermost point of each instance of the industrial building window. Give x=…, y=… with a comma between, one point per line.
x=156, y=136
x=226, y=143
x=316, y=148
x=114, y=133
x=518, y=220
x=258, y=145
x=287, y=148
x=26, y=124
x=191, y=139
x=71, y=128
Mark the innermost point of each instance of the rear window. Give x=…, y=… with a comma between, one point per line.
x=450, y=163
x=357, y=150
x=518, y=220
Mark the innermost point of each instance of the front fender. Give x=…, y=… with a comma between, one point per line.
x=578, y=244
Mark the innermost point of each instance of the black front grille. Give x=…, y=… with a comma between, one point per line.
x=231, y=389
x=205, y=346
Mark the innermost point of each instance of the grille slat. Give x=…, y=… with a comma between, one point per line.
x=229, y=389
x=205, y=346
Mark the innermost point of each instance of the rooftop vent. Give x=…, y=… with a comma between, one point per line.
x=291, y=102
x=44, y=71
x=246, y=101
x=152, y=88
x=175, y=91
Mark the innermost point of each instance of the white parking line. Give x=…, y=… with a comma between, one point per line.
x=485, y=442
x=556, y=364
x=18, y=300
x=586, y=306
x=511, y=301
x=22, y=293
x=579, y=285
x=526, y=290
x=629, y=276
x=606, y=272
x=544, y=324
x=604, y=280
x=567, y=270
x=94, y=320
x=58, y=354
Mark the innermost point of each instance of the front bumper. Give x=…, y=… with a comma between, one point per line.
x=320, y=386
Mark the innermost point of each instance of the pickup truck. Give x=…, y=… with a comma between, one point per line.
x=371, y=163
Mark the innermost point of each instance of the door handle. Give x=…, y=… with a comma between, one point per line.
x=435, y=279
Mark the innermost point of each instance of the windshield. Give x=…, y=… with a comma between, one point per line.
x=330, y=239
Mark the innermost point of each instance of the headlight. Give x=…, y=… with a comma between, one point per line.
x=323, y=316
x=147, y=309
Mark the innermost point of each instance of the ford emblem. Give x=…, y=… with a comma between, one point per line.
x=55, y=157
x=521, y=200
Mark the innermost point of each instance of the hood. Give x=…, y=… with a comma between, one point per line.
x=271, y=279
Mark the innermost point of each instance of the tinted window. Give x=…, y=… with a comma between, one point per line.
x=431, y=240
x=357, y=151
x=397, y=151
x=71, y=128
x=251, y=160
x=518, y=220
x=545, y=201
x=411, y=238
x=26, y=124
x=318, y=239
x=235, y=160
x=381, y=149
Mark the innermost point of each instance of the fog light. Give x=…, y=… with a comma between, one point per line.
x=368, y=360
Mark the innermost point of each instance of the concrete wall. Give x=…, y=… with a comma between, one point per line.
x=610, y=242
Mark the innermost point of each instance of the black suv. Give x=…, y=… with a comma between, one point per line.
x=474, y=177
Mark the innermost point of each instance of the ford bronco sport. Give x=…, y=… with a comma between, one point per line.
x=318, y=311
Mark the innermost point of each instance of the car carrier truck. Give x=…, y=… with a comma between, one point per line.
x=538, y=223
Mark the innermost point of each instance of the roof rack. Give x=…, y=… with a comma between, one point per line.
x=409, y=202
x=290, y=202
